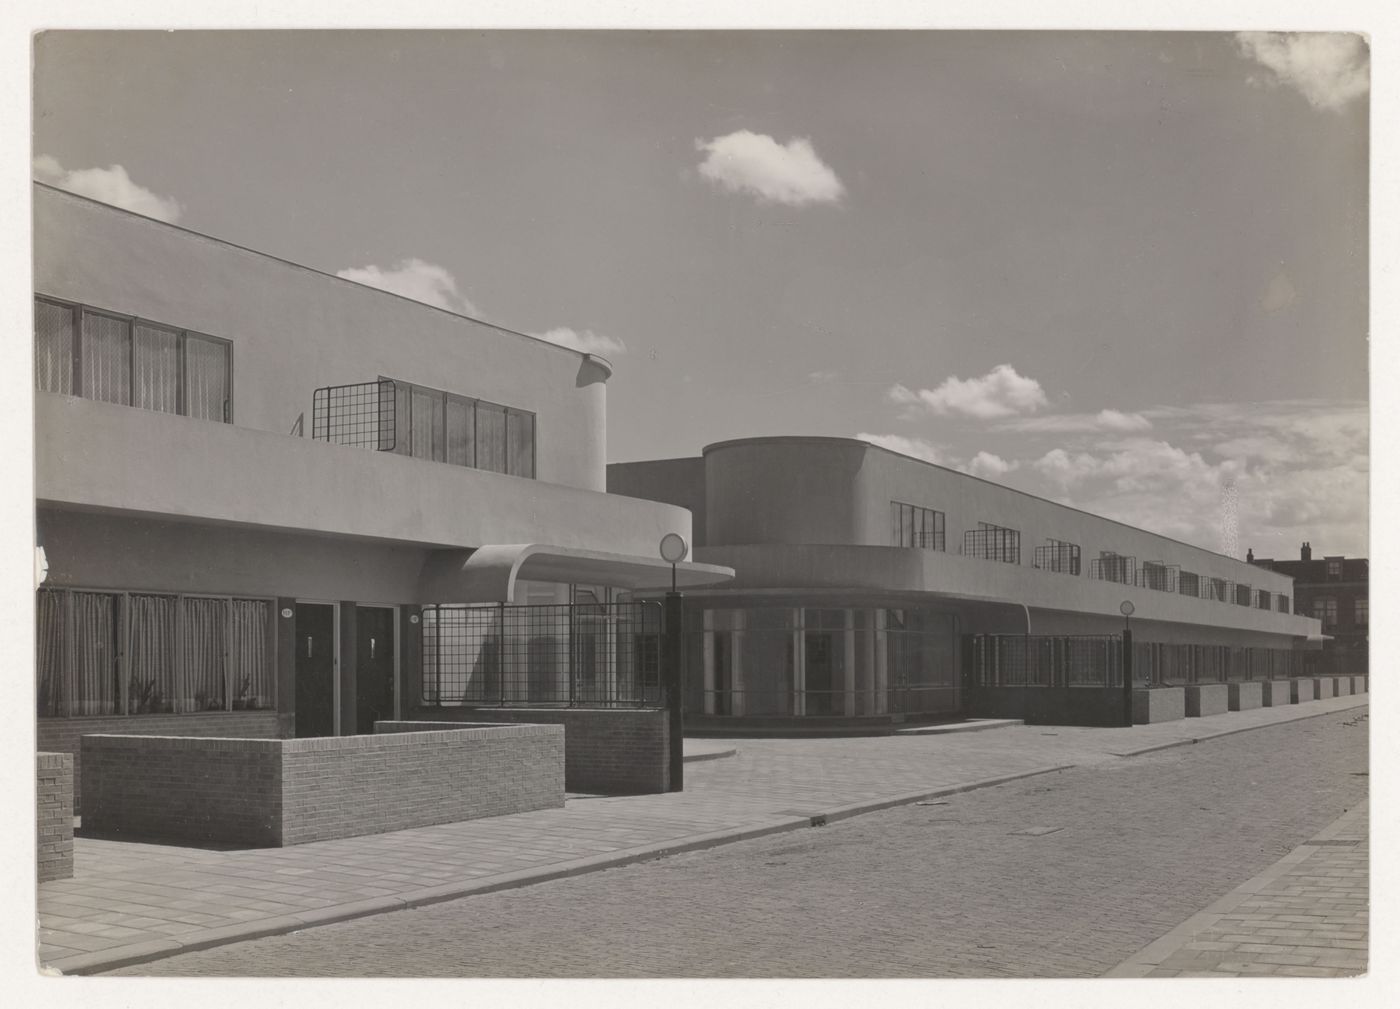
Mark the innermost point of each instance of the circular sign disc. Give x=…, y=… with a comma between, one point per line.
x=1126, y=608
x=673, y=548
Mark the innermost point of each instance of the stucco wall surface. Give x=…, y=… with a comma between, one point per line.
x=294, y=329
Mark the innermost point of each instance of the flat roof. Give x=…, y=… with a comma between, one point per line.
x=833, y=440
x=595, y=358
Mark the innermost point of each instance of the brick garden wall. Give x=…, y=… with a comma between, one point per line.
x=55, y=816
x=269, y=792
x=611, y=751
x=341, y=787
x=61, y=735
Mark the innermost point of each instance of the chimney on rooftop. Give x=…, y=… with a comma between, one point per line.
x=1307, y=551
x=1249, y=556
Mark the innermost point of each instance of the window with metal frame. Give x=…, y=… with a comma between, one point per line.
x=913, y=526
x=139, y=653
x=993, y=543
x=1361, y=610
x=1325, y=609
x=101, y=355
x=446, y=427
x=1058, y=556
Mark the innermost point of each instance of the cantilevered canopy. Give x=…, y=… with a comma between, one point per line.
x=488, y=574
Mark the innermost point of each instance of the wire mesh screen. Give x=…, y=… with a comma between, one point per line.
x=361, y=415
x=1018, y=660
x=1110, y=567
x=1158, y=576
x=993, y=543
x=588, y=655
x=1058, y=556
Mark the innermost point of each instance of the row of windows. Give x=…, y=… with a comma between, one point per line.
x=82, y=351
x=137, y=653
x=444, y=427
x=993, y=542
x=1325, y=609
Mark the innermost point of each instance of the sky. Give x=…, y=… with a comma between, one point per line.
x=1126, y=271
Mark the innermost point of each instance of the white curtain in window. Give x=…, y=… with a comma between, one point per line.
x=91, y=673
x=491, y=437
x=156, y=357
x=206, y=378
x=151, y=684
x=106, y=358
x=461, y=431
x=49, y=653
x=520, y=432
x=199, y=679
x=248, y=655
x=53, y=347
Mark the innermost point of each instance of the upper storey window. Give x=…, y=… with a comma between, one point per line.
x=913, y=526
x=1058, y=556
x=993, y=543
x=82, y=351
x=445, y=427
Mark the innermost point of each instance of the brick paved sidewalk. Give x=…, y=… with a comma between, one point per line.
x=1305, y=916
x=130, y=902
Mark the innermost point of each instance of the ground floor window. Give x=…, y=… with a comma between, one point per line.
x=138, y=653
x=803, y=662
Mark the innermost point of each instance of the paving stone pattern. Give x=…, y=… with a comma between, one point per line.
x=1065, y=874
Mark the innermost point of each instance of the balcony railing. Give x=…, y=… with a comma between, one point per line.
x=360, y=415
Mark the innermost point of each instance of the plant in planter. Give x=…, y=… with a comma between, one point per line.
x=241, y=700
x=145, y=698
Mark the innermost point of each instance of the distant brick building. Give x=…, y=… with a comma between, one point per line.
x=1336, y=591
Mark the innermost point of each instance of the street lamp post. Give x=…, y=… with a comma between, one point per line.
x=673, y=550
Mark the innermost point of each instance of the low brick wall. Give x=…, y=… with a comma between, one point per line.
x=1324, y=687
x=1302, y=691
x=1277, y=693
x=1244, y=696
x=61, y=735
x=1204, y=699
x=55, y=808
x=273, y=792
x=1160, y=704
x=1341, y=686
x=609, y=751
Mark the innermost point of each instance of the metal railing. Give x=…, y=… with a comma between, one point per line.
x=1158, y=576
x=593, y=655
x=360, y=415
x=1058, y=556
x=1162, y=665
x=993, y=543
x=1109, y=567
x=1020, y=660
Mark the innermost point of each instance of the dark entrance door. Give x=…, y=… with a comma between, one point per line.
x=315, y=669
x=374, y=673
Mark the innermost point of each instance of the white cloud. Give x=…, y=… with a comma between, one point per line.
x=1080, y=423
x=919, y=448
x=1299, y=471
x=755, y=163
x=1328, y=68
x=107, y=185
x=587, y=341
x=990, y=466
x=822, y=377
x=999, y=393
x=416, y=279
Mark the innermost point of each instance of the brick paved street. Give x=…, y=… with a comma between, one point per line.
x=1066, y=874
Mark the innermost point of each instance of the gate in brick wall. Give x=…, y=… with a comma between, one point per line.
x=580, y=655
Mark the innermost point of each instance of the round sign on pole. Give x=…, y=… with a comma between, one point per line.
x=673, y=548
x=1126, y=607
